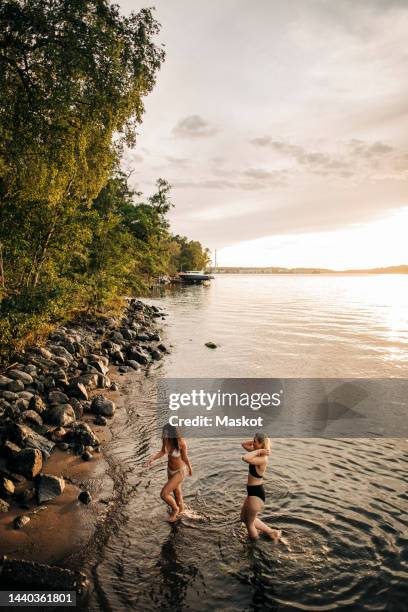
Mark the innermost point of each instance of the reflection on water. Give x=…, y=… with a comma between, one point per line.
x=341, y=503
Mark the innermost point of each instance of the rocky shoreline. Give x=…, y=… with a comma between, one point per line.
x=56, y=402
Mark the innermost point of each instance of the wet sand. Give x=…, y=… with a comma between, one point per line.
x=62, y=531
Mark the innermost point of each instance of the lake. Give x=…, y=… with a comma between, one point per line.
x=342, y=504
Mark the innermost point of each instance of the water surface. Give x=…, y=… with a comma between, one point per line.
x=341, y=503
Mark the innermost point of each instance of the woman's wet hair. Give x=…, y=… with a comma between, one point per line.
x=263, y=438
x=170, y=432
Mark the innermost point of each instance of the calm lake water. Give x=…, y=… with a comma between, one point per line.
x=342, y=504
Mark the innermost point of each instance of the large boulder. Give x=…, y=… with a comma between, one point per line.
x=103, y=406
x=61, y=415
x=25, y=378
x=26, y=437
x=80, y=434
x=49, y=487
x=27, y=462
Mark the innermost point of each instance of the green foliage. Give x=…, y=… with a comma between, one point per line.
x=73, y=235
x=73, y=74
x=191, y=255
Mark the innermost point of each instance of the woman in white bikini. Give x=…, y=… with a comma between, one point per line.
x=176, y=449
x=258, y=451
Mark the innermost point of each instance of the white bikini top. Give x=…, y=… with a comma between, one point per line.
x=175, y=453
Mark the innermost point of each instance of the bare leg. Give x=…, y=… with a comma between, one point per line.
x=275, y=534
x=178, y=494
x=249, y=511
x=166, y=494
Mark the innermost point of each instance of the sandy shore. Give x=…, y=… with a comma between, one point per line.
x=60, y=529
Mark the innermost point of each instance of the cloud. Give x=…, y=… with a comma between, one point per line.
x=194, y=126
x=355, y=155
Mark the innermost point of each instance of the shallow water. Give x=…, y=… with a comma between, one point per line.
x=342, y=504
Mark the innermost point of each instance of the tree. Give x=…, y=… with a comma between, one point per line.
x=73, y=75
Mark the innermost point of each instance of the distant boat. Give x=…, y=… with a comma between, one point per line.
x=194, y=277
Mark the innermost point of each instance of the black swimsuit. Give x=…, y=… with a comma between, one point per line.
x=255, y=490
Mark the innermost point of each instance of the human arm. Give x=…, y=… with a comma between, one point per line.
x=248, y=445
x=156, y=456
x=256, y=457
x=184, y=456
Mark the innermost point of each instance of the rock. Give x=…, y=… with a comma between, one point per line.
x=61, y=351
x=103, y=406
x=25, y=378
x=211, y=345
x=4, y=506
x=10, y=449
x=81, y=434
x=10, y=396
x=49, y=382
x=6, y=486
x=21, y=521
x=27, y=395
x=61, y=361
x=31, y=416
x=41, y=350
x=24, y=436
x=29, y=575
x=57, y=397
x=15, y=386
x=162, y=348
x=142, y=337
x=26, y=496
x=99, y=365
x=78, y=408
x=78, y=390
x=36, y=403
x=123, y=369
x=103, y=382
x=85, y=497
x=63, y=446
x=118, y=357
x=4, y=381
x=21, y=405
x=100, y=420
x=86, y=456
x=27, y=462
x=60, y=376
x=156, y=355
x=114, y=386
x=30, y=369
x=58, y=434
x=155, y=337
x=49, y=487
x=62, y=415
x=136, y=355
x=90, y=380
x=133, y=364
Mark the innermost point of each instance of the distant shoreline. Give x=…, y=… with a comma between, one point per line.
x=246, y=270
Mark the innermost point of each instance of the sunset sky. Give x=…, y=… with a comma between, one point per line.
x=282, y=127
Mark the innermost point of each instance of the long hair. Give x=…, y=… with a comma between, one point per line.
x=170, y=432
x=263, y=439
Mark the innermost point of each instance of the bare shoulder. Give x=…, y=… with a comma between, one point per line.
x=182, y=444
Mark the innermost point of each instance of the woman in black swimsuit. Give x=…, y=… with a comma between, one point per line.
x=258, y=451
